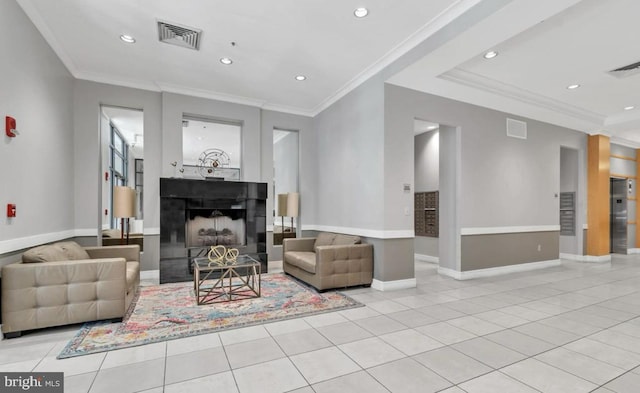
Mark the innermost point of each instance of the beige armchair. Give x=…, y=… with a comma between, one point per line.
x=63, y=283
x=329, y=261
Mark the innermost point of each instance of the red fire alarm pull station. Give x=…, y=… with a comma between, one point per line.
x=11, y=210
x=10, y=127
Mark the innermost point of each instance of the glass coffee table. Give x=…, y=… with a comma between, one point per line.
x=215, y=283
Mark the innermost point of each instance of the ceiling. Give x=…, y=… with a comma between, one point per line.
x=543, y=46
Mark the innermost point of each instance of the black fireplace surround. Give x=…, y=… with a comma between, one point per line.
x=195, y=214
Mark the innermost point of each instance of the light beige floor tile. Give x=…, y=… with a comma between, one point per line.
x=546, y=378
x=569, y=325
x=408, y=376
x=387, y=306
x=475, y=325
x=138, y=354
x=193, y=343
x=302, y=341
x=379, y=325
x=24, y=366
x=20, y=353
x=452, y=365
x=353, y=383
x=489, y=352
x=326, y=319
x=411, y=342
x=306, y=389
x=440, y=312
x=130, y=377
x=343, y=332
x=412, y=318
x=195, y=365
x=501, y=319
x=324, y=364
x=79, y=383
x=445, y=333
x=547, y=333
x=617, y=339
x=222, y=382
x=252, y=352
x=520, y=342
x=496, y=382
x=614, y=356
x=524, y=312
x=359, y=313
x=581, y=365
x=250, y=333
x=288, y=326
x=71, y=366
x=275, y=376
x=371, y=352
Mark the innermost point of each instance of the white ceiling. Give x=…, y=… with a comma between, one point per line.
x=544, y=46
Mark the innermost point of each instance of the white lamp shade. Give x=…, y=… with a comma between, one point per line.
x=282, y=205
x=293, y=203
x=124, y=202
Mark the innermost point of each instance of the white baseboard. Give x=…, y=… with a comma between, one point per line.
x=150, y=275
x=426, y=258
x=496, y=271
x=586, y=258
x=393, y=285
x=633, y=251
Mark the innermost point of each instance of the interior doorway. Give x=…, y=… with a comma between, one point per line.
x=427, y=184
x=618, y=216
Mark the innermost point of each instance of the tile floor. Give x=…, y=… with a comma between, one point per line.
x=572, y=328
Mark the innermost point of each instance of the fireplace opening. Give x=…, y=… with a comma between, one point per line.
x=212, y=227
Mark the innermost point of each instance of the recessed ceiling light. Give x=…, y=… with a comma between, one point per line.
x=628, y=108
x=361, y=12
x=490, y=54
x=300, y=77
x=226, y=61
x=573, y=87
x=128, y=39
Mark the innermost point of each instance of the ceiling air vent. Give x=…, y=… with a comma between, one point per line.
x=626, y=71
x=516, y=129
x=184, y=36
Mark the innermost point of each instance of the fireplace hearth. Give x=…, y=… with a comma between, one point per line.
x=198, y=214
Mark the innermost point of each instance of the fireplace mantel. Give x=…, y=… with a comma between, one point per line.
x=187, y=200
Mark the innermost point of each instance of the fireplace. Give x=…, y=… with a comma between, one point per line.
x=198, y=214
x=213, y=227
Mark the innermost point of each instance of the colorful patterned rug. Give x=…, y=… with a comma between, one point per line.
x=169, y=311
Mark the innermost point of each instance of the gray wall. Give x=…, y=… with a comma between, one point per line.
x=504, y=182
x=427, y=164
x=37, y=165
x=350, y=179
x=89, y=174
x=569, y=176
x=449, y=198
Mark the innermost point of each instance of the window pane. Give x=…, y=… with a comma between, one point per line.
x=118, y=164
x=118, y=143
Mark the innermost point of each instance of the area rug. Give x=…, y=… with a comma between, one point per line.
x=169, y=311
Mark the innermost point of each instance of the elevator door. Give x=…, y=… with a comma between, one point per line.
x=618, y=220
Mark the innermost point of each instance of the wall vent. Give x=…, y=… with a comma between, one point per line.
x=183, y=36
x=516, y=129
x=626, y=71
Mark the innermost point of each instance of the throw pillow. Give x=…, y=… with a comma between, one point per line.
x=340, y=240
x=324, y=239
x=46, y=253
x=73, y=251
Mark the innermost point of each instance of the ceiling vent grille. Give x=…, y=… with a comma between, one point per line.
x=516, y=129
x=184, y=36
x=626, y=71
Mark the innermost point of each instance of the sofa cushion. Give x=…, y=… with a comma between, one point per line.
x=341, y=240
x=305, y=260
x=73, y=251
x=46, y=253
x=133, y=274
x=324, y=239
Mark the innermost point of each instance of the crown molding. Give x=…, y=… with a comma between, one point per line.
x=288, y=109
x=470, y=79
x=625, y=142
x=40, y=24
x=434, y=25
x=110, y=80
